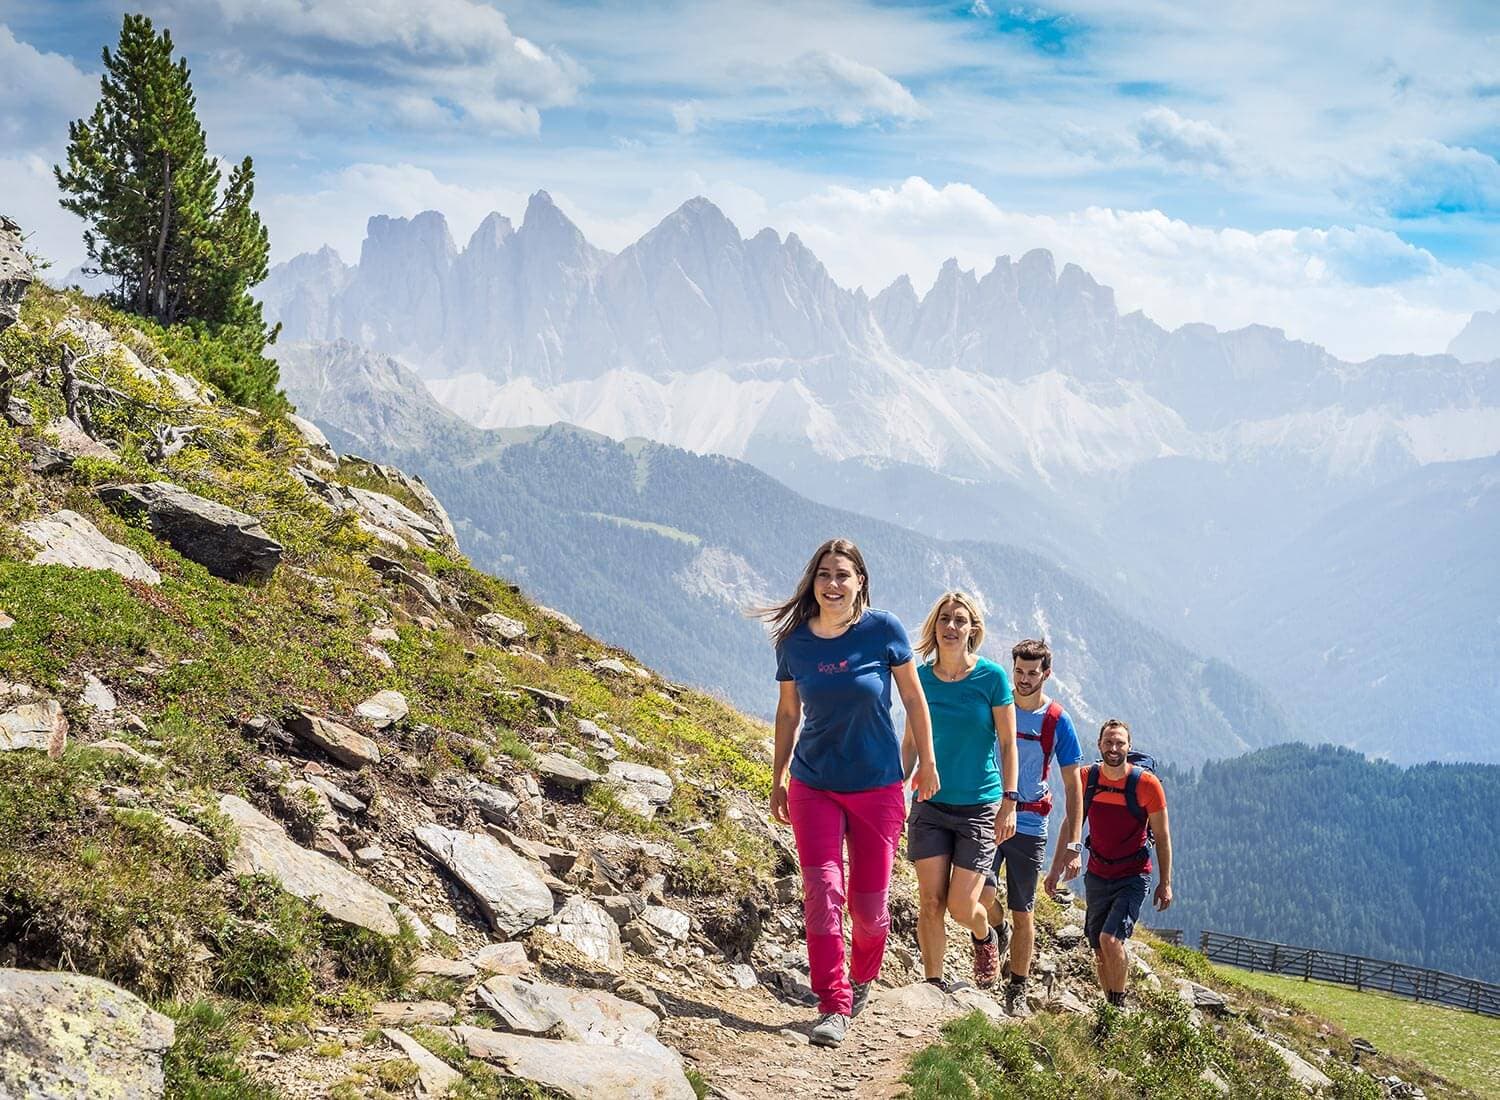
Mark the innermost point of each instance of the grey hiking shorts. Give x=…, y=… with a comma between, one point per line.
x=965, y=834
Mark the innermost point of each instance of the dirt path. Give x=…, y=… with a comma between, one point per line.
x=750, y=1045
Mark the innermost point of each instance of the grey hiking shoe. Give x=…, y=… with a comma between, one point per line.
x=1015, y=1000
x=861, y=998
x=950, y=985
x=830, y=1030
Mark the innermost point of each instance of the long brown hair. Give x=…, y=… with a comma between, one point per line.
x=787, y=616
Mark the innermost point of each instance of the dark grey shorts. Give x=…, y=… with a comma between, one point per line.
x=1114, y=906
x=1022, y=856
x=965, y=834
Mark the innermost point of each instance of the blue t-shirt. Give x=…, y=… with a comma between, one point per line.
x=1065, y=752
x=848, y=740
x=963, y=731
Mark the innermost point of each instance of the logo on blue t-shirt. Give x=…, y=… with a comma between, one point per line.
x=832, y=668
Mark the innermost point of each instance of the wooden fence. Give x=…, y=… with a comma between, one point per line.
x=1312, y=964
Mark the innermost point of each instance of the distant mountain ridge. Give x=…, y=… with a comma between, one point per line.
x=661, y=550
x=695, y=336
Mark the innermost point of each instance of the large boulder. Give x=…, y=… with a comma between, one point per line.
x=640, y=788
x=384, y=708
x=510, y=893
x=98, y=340
x=66, y=538
x=581, y=1071
x=227, y=543
x=67, y=1036
x=265, y=849
x=564, y=771
x=16, y=273
x=318, y=447
x=532, y=1007
x=390, y=514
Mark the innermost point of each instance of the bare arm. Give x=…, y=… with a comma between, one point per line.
x=1065, y=864
x=1005, y=734
x=1163, y=895
x=788, y=715
x=919, y=727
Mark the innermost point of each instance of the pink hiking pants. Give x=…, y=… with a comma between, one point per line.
x=872, y=822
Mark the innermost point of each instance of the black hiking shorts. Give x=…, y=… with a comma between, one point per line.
x=1022, y=855
x=1114, y=906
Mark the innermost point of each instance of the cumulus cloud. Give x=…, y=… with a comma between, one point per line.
x=451, y=63
x=848, y=91
x=1359, y=291
x=40, y=93
x=1165, y=133
x=1420, y=179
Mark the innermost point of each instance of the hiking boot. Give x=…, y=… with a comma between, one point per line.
x=861, y=998
x=1015, y=1000
x=987, y=960
x=830, y=1030
x=950, y=985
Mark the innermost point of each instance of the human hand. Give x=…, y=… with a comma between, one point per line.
x=1163, y=896
x=779, y=811
x=1005, y=821
x=926, y=781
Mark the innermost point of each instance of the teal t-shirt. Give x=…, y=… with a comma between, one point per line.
x=963, y=731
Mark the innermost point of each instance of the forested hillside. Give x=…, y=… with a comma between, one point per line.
x=1324, y=848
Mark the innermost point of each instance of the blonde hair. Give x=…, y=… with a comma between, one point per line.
x=787, y=616
x=927, y=644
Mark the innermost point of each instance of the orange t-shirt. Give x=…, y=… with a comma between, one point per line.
x=1117, y=841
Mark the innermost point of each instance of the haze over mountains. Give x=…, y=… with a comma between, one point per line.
x=1194, y=478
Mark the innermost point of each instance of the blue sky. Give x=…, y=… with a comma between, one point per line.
x=1325, y=169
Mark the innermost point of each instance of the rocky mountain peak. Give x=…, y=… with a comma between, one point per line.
x=491, y=235
x=1479, y=342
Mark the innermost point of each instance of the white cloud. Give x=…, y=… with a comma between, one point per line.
x=685, y=117
x=40, y=93
x=1359, y=291
x=848, y=91
x=1167, y=134
x=980, y=10
x=454, y=64
x=1424, y=178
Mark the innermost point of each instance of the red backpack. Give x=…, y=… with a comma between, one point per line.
x=1047, y=737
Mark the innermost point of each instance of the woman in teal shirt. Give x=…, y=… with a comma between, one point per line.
x=951, y=837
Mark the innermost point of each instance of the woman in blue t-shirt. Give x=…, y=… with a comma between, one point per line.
x=952, y=842
x=836, y=658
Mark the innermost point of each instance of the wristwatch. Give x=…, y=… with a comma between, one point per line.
x=1076, y=847
x=1014, y=796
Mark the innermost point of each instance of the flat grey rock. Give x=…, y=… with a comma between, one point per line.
x=495, y=804
x=581, y=1070
x=510, y=893
x=66, y=538
x=389, y=514
x=384, y=708
x=72, y=1037
x=668, y=921
x=501, y=626
x=589, y=927
x=39, y=725
x=434, y=1076
x=264, y=848
x=348, y=747
x=565, y=772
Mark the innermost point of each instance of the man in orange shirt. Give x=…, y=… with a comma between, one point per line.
x=1126, y=809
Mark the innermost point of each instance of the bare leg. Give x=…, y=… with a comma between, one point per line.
x=1112, y=964
x=990, y=899
x=1022, y=943
x=964, y=889
x=932, y=890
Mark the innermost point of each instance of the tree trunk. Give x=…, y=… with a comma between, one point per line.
x=158, y=280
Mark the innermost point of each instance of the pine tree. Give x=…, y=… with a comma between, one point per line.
x=183, y=245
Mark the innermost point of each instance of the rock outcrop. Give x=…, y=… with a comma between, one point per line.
x=509, y=891
x=228, y=543
x=16, y=272
x=72, y=1037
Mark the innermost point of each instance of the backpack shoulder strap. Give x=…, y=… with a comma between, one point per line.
x=1090, y=788
x=1049, y=735
x=1132, y=796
